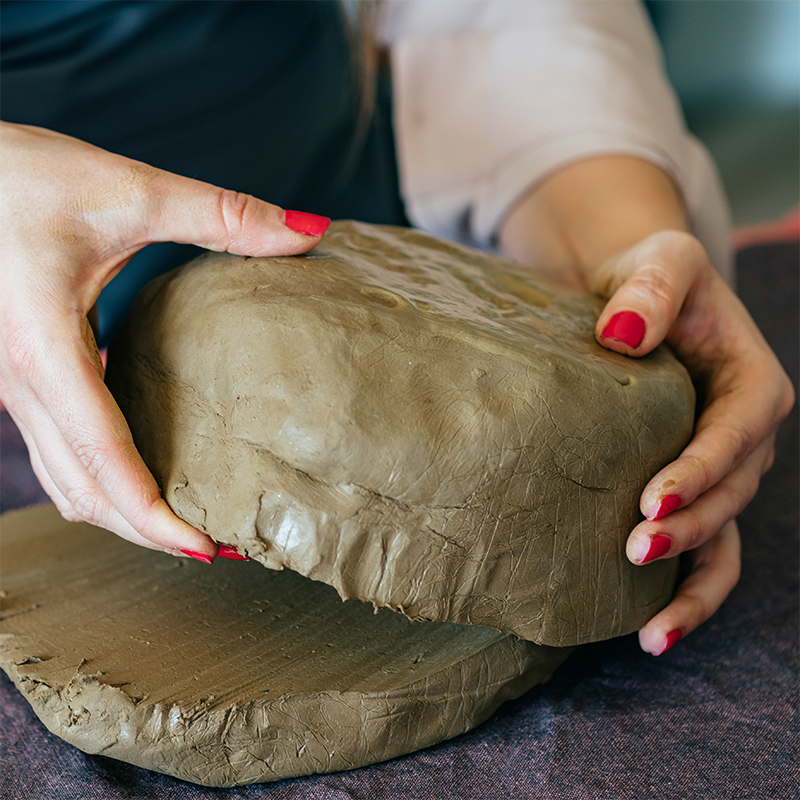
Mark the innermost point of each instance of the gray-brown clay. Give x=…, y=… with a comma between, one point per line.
x=419, y=425
x=232, y=674
x=415, y=423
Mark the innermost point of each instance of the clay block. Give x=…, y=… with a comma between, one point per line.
x=417, y=424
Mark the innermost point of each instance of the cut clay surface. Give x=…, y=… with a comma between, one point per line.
x=232, y=674
x=415, y=423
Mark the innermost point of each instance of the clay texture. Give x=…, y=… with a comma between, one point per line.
x=415, y=423
x=232, y=674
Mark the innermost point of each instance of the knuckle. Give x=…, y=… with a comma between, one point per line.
x=675, y=250
x=690, y=251
x=656, y=284
x=696, y=608
x=694, y=252
x=734, y=573
x=85, y=505
x=70, y=515
x=20, y=349
x=750, y=488
x=740, y=442
x=786, y=398
x=694, y=532
x=780, y=400
x=769, y=460
x=234, y=210
x=703, y=468
x=64, y=508
x=728, y=566
x=144, y=517
x=95, y=461
x=737, y=494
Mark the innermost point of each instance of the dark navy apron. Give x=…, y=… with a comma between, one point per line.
x=259, y=97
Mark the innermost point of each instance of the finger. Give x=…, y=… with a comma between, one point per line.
x=42, y=475
x=88, y=451
x=692, y=526
x=715, y=571
x=183, y=210
x=81, y=499
x=83, y=442
x=647, y=287
x=736, y=423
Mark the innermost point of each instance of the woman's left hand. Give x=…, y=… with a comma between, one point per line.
x=616, y=226
x=665, y=289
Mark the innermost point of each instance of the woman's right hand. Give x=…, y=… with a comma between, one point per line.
x=71, y=216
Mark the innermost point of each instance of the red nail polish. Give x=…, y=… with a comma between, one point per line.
x=228, y=551
x=671, y=638
x=198, y=556
x=309, y=224
x=626, y=327
x=658, y=546
x=667, y=505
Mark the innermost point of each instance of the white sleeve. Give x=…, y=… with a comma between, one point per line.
x=491, y=96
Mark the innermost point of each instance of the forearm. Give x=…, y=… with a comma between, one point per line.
x=587, y=212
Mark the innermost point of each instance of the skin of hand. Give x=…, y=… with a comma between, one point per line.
x=615, y=226
x=71, y=216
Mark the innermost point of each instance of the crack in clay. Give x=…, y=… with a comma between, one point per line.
x=601, y=489
x=12, y=614
x=374, y=494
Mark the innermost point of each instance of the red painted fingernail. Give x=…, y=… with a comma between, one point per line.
x=309, y=224
x=626, y=327
x=667, y=505
x=671, y=639
x=228, y=551
x=206, y=559
x=658, y=546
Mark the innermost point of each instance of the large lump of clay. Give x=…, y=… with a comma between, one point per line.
x=413, y=422
x=232, y=675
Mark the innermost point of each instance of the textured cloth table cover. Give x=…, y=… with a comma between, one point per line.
x=715, y=717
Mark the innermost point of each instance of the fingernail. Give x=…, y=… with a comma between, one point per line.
x=667, y=505
x=658, y=546
x=626, y=327
x=206, y=559
x=671, y=638
x=309, y=224
x=228, y=551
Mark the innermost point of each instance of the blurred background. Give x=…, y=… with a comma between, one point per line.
x=736, y=67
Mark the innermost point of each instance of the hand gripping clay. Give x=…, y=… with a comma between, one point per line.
x=417, y=424
x=232, y=674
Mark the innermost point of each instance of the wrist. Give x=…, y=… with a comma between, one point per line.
x=589, y=211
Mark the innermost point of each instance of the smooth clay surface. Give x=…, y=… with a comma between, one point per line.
x=232, y=674
x=415, y=423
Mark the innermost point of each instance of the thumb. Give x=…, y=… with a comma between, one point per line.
x=647, y=286
x=192, y=212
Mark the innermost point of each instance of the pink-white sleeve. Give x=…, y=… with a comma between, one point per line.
x=491, y=96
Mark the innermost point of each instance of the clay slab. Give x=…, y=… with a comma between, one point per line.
x=232, y=674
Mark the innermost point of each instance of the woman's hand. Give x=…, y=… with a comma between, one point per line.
x=664, y=289
x=615, y=225
x=71, y=217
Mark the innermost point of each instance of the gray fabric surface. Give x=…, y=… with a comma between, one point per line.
x=715, y=717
